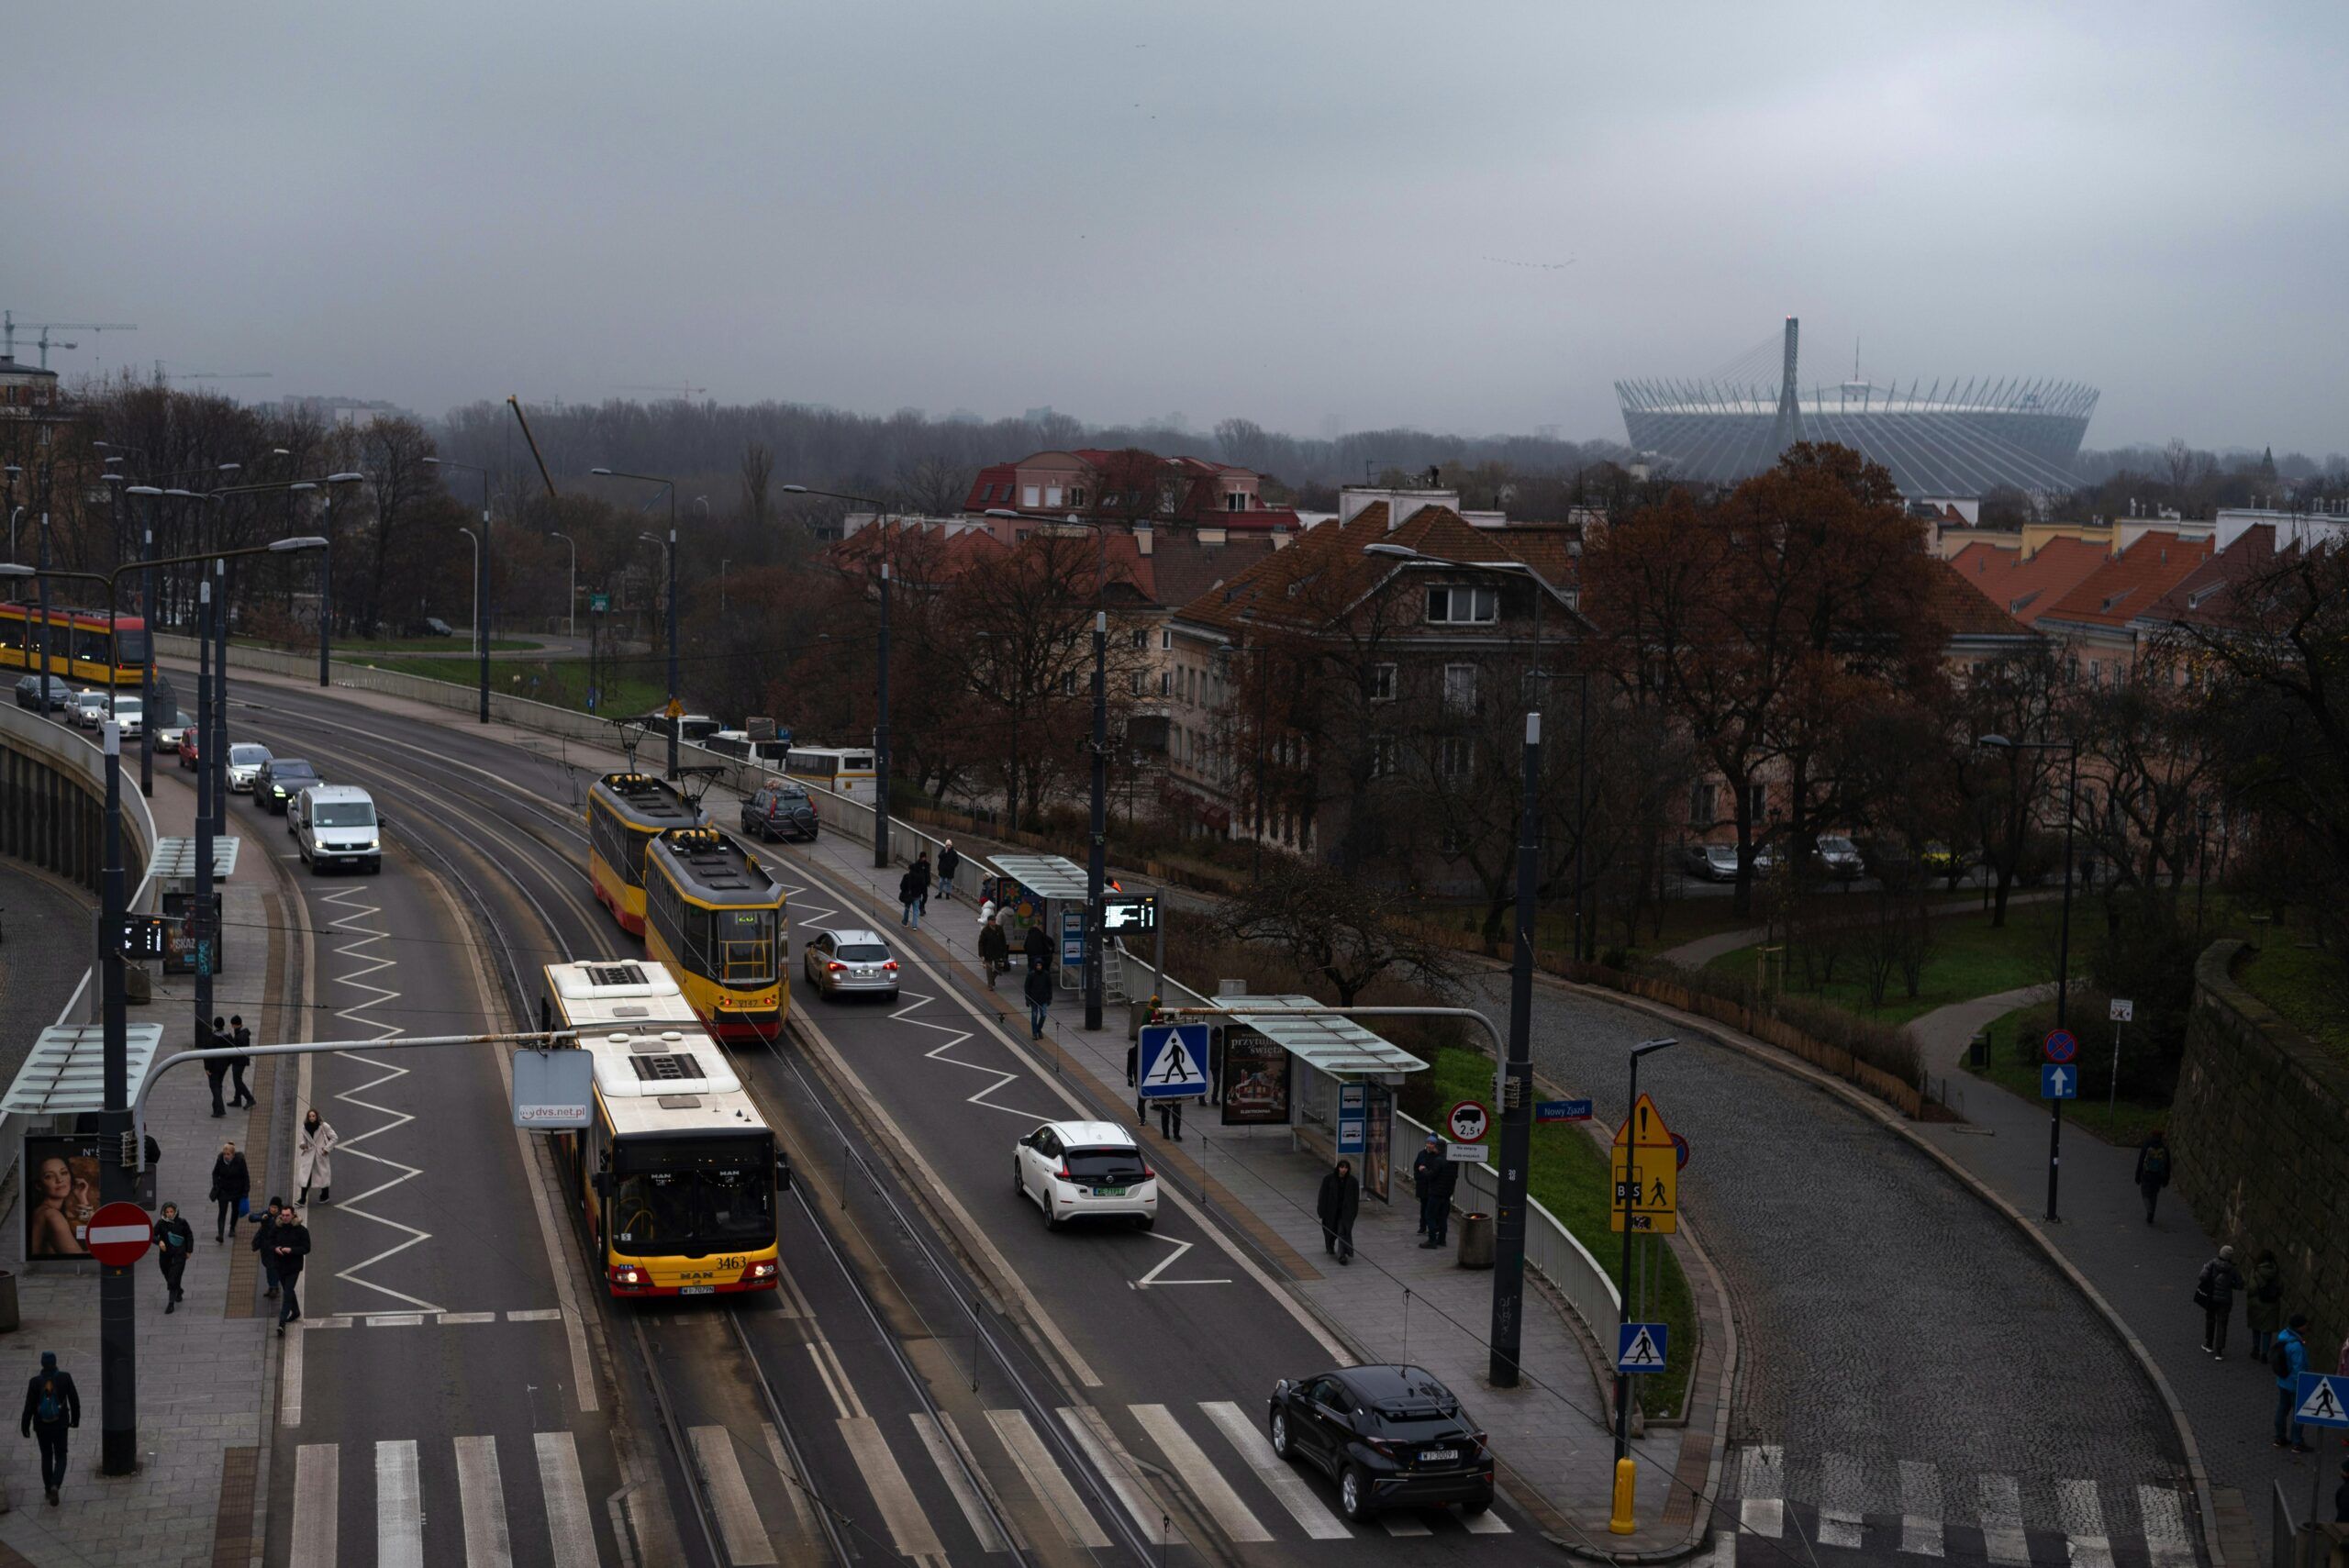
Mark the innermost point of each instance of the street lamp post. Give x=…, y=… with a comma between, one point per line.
x=147, y=666
x=335, y=481
x=676, y=713
x=480, y=583
x=2071, y=747
x=571, y=603
x=881, y=685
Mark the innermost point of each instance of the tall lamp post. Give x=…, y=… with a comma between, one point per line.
x=481, y=586
x=335, y=481
x=2071, y=749
x=571, y=603
x=676, y=713
x=881, y=725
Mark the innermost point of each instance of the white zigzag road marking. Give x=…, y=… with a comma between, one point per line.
x=353, y=924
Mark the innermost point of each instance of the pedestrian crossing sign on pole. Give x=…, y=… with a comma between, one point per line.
x=2323, y=1400
x=1173, y=1061
x=1638, y=1347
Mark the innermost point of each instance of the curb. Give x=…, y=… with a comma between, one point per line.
x=2206, y=1505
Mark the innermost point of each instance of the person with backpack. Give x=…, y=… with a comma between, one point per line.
x=292, y=1245
x=175, y=1245
x=2288, y=1358
x=232, y=1184
x=2214, y=1293
x=242, y=1038
x=1039, y=997
x=2152, y=1169
x=52, y=1408
x=2263, y=1304
x=910, y=898
x=950, y=860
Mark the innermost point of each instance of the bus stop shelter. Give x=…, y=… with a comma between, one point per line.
x=1288, y=1060
x=1048, y=891
x=173, y=869
x=62, y=1081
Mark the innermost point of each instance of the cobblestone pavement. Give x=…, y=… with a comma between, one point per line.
x=1885, y=1312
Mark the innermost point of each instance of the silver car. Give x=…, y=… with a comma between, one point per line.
x=245, y=759
x=86, y=709
x=850, y=962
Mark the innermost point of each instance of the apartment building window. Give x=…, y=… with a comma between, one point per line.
x=1702, y=812
x=1460, y=687
x=1456, y=756
x=1382, y=683
x=1068, y=682
x=1167, y=683
x=1166, y=640
x=1235, y=502
x=1464, y=606
x=1052, y=496
x=2096, y=673
x=1077, y=495
x=1386, y=757
x=1031, y=497
x=1757, y=802
x=1137, y=682
x=1142, y=637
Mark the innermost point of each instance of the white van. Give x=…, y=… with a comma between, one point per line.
x=336, y=824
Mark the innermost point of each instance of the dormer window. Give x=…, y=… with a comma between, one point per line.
x=1464, y=606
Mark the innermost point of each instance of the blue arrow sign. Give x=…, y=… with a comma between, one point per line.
x=2323, y=1400
x=1562, y=1111
x=2057, y=1082
x=1173, y=1062
x=1638, y=1347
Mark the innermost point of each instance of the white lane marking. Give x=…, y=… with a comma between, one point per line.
x=1405, y=1524
x=393, y=1319
x=966, y=1496
x=1151, y=1280
x=908, y=1526
x=1485, y=1523
x=2083, y=1520
x=482, y=1495
x=570, y=1525
x=1204, y=1481
x=737, y=1515
x=2002, y=1536
x=1921, y=1508
x=1843, y=1501
x=1051, y=1488
x=535, y=1314
x=846, y=1404
x=1117, y=1467
x=317, y=1475
x=289, y=1377
x=794, y=1486
x=399, y=1506
x=1762, y=1491
x=2166, y=1539
x=468, y=1318
x=996, y=1077
x=1279, y=1479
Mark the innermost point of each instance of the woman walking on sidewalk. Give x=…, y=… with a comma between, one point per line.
x=2152, y=1169
x=314, y=1157
x=232, y=1183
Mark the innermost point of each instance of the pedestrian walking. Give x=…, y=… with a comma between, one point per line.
x=910, y=897
x=987, y=906
x=2288, y=1359
x=2152, y=1169
x=292, y=1245
x=265, y=1244
x=215, y=1068
x=2263, y=1304
x=1038, y=945
x=1039, y=997
x=313, y=1157
x=1435, y=1175
x=242, y=1038
x=2340, y=1496
x=175, y=1245
x=154, y=1156
x=52, y=1408
x=950, y=860
x=1170, y=1119
x=232, y=1184
x=2214, y=1293
x=921, y=881
x=1341, y=1200
x=995, y=951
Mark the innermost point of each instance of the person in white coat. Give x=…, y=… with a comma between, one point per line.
x=313, y=1157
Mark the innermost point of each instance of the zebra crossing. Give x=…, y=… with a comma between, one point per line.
x=1917, y=1509
x=1244, y=1492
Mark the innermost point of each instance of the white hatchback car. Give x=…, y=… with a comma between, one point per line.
x=245, y=759
x=1086, y=1170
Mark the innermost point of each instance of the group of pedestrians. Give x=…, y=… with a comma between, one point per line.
x=229, y=1034
x=914, y=887
x=2277, y=1338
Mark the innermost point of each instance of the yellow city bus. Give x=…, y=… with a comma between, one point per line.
x=624, y=813
x=677, y=1173
x=714, y=915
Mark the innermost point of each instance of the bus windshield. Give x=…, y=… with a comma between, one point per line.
x=685, y=1205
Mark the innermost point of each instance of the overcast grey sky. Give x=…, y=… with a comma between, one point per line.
x=1298, y=213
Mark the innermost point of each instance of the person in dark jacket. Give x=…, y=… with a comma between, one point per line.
x=175, y=1245
x=909, y=899
x=2214, y=1292
x=215, y=1068
x=950, y=860
x=242, y=1038
x=52, y=1408
x=2152, y=1169
x=2340, y=1496
x=921, y=881
x=2262, y=1303
x=1039, y=991
x=1341, y=1200
x=265, y=1244
x=232, y=1183
x=292, y=1245
x=995, y=951
x=1039, y=944
x=2292, y=1352
x=1435, y=1175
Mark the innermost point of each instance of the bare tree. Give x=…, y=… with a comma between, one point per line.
x=1331, y=925
x=758, y=469
x=933, y=487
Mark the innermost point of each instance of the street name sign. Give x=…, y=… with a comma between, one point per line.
x=2323, y=1400
x=1468, y=1121
x=2057, y=1082
x=1640, y=1346
x=121, y=1234
x=1647, y=1173
x=1173, y=1059
x=1562, y=1111
x=2062, y=1046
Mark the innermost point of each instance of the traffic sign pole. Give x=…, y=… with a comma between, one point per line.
x=1517, y=1086
x=117, y=1303
x=2060, y=1047
x=1622, y=1516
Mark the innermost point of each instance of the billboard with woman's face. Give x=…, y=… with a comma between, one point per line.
x=60, y=1194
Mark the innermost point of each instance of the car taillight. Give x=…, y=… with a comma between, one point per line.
x=762, y=1270
x=834, y=967
x=1065, y=1175
x=1391, y=1451
x=1148, y=1174
x=891, y=966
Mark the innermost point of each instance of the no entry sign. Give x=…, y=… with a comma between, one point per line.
x=121, y=1234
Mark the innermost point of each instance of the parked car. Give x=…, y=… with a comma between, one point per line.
x=28, y=692
x=778, y=809
x=245, y=760
x=1840, y=856
x=1389, y=1436
x=1712, y=863
x=1085, y=1169
x=280, y=780
x=1939, y=860
x=850, y=961
x=85, y=707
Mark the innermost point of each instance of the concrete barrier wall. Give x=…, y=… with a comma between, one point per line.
x=52, y=802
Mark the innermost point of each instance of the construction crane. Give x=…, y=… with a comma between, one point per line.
x=675, y=391
x=9, y=326
x=211, y=376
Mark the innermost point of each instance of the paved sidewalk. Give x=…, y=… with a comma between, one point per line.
x=1704, y=950
x=2145, y=1272
x=205, y=1371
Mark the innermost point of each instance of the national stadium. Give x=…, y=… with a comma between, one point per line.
x=1950, y=439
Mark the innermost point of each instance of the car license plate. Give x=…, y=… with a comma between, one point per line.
x=1438, y=1455
x=864, y=973
x=1109, y=1192
x=697, y=1290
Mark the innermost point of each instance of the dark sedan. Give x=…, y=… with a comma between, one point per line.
x=1390, y=1437
x=280, y=780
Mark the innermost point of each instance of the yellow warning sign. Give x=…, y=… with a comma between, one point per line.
x=1646, y=1172
x=676, y=709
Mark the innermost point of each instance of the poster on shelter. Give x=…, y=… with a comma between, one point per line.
x=62, y=1179
x=1255, y=1080
x=1377, y=1159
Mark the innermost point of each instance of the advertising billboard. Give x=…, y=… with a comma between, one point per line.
x=61, y=1192
x=1255, y=1080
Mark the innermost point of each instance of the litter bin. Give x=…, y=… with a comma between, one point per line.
x=1476, y=1240
x=1979, y=1048
x=9, y=1322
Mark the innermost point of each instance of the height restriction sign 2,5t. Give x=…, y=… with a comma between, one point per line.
x=1647, y=1173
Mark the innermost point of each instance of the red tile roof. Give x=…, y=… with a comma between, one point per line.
x=1968, y=609
x=2127, y=584
x=2201, y=596
x=2028, y=589
x=991, y=488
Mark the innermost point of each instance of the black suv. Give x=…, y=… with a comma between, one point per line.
x=1390, y=1436
x=779, y=811
x=280, y=780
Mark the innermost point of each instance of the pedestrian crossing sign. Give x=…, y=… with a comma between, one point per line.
x=1173, y=1061
x=1638, y=1347
x=2323, y=1400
